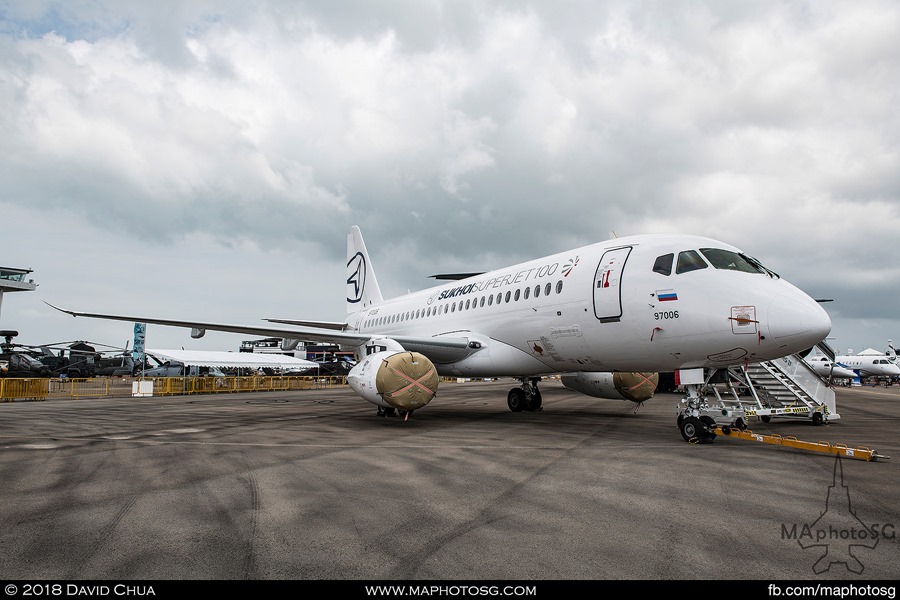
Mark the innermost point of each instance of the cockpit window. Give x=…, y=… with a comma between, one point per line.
x=663, y=264
x=731, y=261
x=689, y=260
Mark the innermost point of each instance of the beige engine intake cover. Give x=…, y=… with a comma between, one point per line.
x=636, y=387
x=407, y=380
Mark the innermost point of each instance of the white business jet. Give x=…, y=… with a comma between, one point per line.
x=825, y=368
x=606, y=317
x=871, y=363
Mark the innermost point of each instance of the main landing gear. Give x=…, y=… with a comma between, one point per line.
x=527, y=397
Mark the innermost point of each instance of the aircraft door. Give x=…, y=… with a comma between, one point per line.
x=607, y=285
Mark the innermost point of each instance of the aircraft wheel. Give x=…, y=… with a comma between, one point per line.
x=680, y=420
x=536, y=401
x=710, y=428
x=691, y=429
x=818, y=418
x=516, y=399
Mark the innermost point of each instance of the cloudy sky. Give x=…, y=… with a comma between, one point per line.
x=205, y=160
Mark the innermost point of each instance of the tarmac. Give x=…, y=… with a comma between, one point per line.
x=312, y=485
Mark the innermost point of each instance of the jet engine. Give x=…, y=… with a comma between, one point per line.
x=636, y=387
x=403, y=380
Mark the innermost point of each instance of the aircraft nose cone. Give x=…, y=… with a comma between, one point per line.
x=797, y=322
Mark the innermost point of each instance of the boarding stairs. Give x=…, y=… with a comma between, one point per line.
x=787, y=387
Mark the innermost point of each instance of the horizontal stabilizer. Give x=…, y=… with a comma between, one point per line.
x=455, y=276
x=320, y=324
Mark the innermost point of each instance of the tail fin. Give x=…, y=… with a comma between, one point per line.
x=362, y=286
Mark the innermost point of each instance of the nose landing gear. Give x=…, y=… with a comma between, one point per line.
x=697, y=430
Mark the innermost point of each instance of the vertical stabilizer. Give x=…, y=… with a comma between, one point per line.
x=140, y=336
x=362, y=286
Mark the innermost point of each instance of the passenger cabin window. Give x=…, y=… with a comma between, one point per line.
x=731, y=261
x=689, y=260
x=663, y=264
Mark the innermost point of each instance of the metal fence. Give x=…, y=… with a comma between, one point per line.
x=111, y=387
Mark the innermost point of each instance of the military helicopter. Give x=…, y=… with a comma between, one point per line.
x=18, y=363
x=79, y=359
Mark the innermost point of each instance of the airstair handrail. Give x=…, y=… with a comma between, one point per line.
x=827, y=350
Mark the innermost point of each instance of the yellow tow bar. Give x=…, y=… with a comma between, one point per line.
x=859, y=453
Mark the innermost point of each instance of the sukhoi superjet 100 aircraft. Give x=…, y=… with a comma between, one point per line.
x=607, y=317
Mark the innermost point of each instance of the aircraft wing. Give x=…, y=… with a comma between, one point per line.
x=438, y=348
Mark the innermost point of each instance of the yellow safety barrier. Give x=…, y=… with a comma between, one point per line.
x=859, y=453
x=23, y=389
x=115, y=387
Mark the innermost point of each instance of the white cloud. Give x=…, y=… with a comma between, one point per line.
x=461, y=129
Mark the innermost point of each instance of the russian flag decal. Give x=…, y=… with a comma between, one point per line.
x=666, y=295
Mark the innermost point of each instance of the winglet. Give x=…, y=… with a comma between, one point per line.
x=68, y=312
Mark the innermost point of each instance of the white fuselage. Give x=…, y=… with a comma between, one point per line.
x=609, y=306
x=871, y=365
x=823, y=366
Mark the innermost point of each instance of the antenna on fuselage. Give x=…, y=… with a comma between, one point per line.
x=612, y=234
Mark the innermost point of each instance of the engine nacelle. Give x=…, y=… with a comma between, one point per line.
x=636, y=387
x=402, y=380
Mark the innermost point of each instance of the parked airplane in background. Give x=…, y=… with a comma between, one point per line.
x=607, y=317
x=871, y=363
x=825, y=368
